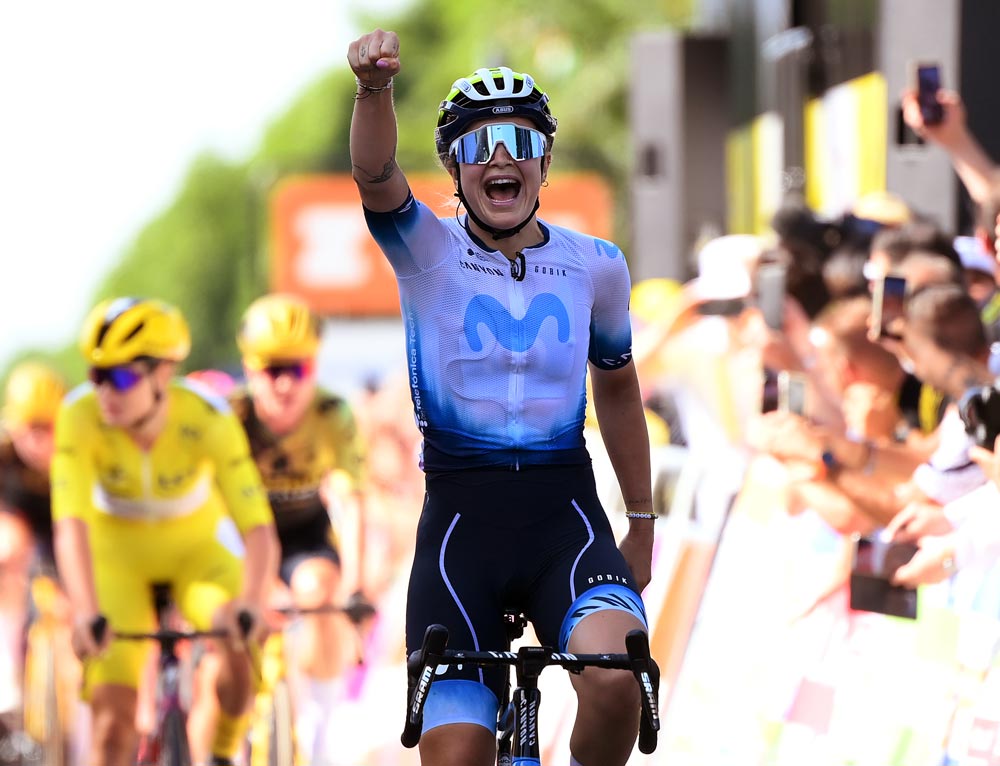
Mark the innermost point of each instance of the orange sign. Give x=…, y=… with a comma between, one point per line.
x=321, y=248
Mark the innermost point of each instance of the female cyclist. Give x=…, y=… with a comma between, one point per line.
x=504, y=314
x=152, y=482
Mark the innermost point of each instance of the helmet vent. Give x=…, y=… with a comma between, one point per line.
x=135, y=331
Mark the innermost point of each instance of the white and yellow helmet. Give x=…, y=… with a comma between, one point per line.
x=487, y=94
x=120, y=330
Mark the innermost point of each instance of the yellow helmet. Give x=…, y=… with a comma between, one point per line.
x=653, y=297
x=278, y=326
x=884, y=207
x=120, y=330
x=34, y=391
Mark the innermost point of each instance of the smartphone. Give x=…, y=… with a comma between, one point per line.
x=769, y=391
x=722, y=307
x=888, y=305
x=771, y=294
x=791, y=392
x=873, y=564
x=928, y=83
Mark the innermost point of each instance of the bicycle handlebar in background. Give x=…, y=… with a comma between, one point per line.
x=356, y=610
x=245, y=620
x=99, y=629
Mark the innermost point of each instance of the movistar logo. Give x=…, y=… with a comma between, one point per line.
x=514, y=334
x=606, y=248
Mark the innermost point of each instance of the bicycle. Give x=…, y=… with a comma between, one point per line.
x=272, y=735
x=167, y=745
x=49, y=676
x=517, y=723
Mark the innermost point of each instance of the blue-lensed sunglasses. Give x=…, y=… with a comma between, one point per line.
x=478, y=146
x=120, y=378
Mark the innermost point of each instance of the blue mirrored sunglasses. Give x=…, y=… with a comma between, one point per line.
x=478, y=146
x=120, y=378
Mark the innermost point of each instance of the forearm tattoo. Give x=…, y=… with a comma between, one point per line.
x=388, y=171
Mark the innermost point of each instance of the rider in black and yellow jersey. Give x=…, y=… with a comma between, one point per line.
x=32, y=397
x=305, y=442
x=152, y=482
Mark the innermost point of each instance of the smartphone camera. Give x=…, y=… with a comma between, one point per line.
x=791, y=393
x=873, y=565
x=928, y=85
x=769, y=391
x=888, y=305
x=771, y=278
x=980, y=411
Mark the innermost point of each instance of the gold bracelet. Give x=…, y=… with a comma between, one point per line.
x=641, y=515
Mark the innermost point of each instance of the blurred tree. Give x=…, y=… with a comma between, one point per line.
x=207, y=251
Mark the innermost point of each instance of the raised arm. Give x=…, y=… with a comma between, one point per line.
x=973, y=165
x=374, y=58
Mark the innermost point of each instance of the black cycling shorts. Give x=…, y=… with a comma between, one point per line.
x=535, y=540
x=312, y=539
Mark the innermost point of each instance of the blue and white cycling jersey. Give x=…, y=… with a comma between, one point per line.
x=497, y=366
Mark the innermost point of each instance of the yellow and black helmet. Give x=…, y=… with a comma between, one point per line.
x=275, y=327
x=121, y=330
x=34, y=392
x=489, y=94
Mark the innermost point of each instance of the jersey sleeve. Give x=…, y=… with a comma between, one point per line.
x=236, y=473
x=350, y=447
x=73, y=472
x=610, y=327
x=412, y=238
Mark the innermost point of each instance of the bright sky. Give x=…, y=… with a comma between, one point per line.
x=104, y=105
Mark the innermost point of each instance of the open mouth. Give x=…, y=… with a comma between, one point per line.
x=503, y=189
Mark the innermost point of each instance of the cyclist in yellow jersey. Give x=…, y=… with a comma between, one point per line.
x=301, y=437
x=34, y=391
x=152, y=482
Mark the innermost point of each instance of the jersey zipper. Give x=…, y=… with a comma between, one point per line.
x=147, y=476
x=516, y=299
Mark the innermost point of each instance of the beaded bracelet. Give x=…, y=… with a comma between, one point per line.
x=372, y=89
x=641, y=515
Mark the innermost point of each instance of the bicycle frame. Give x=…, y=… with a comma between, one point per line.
x=271, y=739
x=518, y=742
x=48, y=680
x=170, y=733
x=168, y=696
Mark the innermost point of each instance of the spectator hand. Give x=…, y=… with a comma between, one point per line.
x=870, y=411
x=950, y=132
x=776, y=348
x=933, y=562
x=374, y=57
x=787, y=437
x=988, y=461
x=918, y=520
